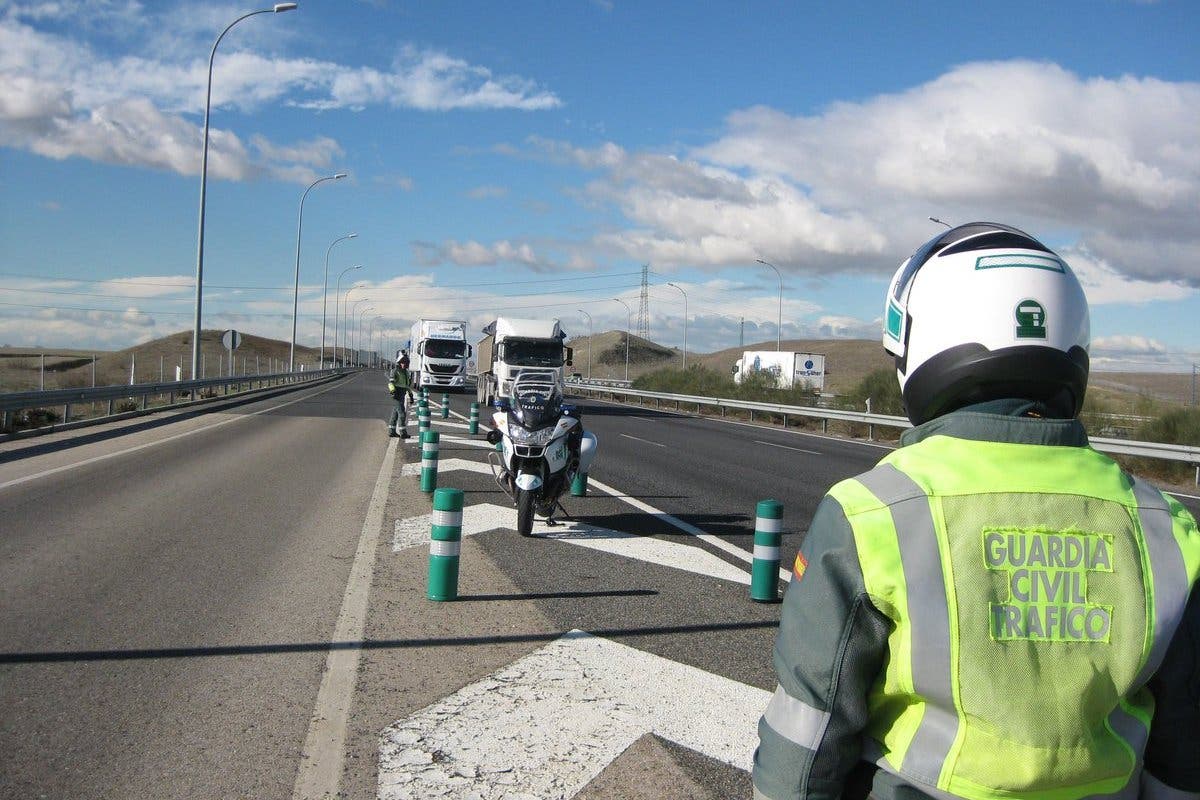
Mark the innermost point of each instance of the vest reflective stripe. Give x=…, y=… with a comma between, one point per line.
x=929, y=618
x=1171, y=585
x=796, y=720
x=1154, y=789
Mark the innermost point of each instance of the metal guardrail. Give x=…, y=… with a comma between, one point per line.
x=1171, y=452
x=12, y=402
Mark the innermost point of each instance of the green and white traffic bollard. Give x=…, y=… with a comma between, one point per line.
x=473, y=426
x=445, y=544
x=445, y=405
x=768, y=535
x=422, y=416
x=579, y=485
x=429, y=460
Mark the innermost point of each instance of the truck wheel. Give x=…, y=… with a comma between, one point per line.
x=525, y=499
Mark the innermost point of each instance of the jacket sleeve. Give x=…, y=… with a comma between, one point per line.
x=828, y=653
x=1173, y=751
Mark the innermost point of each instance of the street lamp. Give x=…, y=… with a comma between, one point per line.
x=371, y=335
x=336, y=295
x=325, y=291
x=681, y=291
x=346, y=315
x=351, y=321
x=779, y=324
x=628, y=325
x=358, y=337
x=589, y=316
x=939, y=222
x=296, y=292
x=276, y=9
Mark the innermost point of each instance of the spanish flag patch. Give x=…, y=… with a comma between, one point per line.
x=799, y=567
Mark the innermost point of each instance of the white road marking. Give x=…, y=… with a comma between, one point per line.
x=1188, y=496
x=325, y=746
x=447, y=423
x=686, y=527
x=786, y=447
x=483, y=517
x=636, y=439
x=448, y=465
x=164, y=440
x=547, y=724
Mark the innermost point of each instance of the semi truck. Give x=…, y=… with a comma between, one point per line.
x=511, y=346
x=787, y=367
x=438, y=353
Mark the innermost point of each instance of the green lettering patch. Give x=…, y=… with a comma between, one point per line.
x=1047, y=580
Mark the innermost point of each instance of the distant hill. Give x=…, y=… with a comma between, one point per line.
x=20, y=368
x=847, y=362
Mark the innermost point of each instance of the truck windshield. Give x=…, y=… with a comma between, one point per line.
x=533, y=354
x=444, y=348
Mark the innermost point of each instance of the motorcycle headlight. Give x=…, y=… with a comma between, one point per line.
x=538, y=438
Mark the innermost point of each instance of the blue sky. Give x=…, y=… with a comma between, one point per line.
x=529, y=158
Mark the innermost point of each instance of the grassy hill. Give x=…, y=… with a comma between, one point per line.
x=20, y=367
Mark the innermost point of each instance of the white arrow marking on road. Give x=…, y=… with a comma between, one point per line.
x=483, y=517
x=547, y=724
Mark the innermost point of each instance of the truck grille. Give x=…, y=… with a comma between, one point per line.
x=444, y=369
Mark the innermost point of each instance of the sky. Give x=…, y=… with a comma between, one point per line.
x=529, y=158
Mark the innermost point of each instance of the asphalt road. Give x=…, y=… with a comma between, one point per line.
x=148, y=599
x=169, y=590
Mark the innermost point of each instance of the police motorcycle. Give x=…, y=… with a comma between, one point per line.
x=543, y=447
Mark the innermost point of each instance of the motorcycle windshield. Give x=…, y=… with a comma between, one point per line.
x=536, y=402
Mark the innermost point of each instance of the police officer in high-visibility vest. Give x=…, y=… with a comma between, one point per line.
x=996, y=610
x=400, y=388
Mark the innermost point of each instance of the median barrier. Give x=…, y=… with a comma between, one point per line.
x=768, y=535
x=445, y=544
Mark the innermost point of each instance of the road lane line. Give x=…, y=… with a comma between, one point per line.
x=325, y=746
x=636, y=439
x=686, y=527
x=156, y=442
x=786, y=447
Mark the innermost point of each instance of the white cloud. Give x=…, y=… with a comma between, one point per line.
x=1104, y=284
x=61, y=98
x=1127, y=345
x=1106, y=166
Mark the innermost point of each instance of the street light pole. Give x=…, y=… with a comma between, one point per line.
x=371, y=335
x=779, y=324
x=589, y=316
x=325, y=292
x=296, y=292
x=358, y=337
x=628, y=325
x=336, y=294
x=276, y=9
x=346, y=315
x=685, y=315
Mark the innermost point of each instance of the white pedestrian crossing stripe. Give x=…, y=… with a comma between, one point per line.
x=483, y=517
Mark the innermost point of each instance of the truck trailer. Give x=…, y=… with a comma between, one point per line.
x=788, y=368
x=511, y=346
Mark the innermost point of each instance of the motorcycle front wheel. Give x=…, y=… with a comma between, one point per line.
x=525, y=501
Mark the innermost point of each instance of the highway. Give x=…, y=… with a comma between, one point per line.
x=170, y=589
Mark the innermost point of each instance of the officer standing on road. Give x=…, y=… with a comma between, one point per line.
x=996, y=610
x=400, y=387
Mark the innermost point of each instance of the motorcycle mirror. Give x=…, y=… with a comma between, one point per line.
x=493, y=436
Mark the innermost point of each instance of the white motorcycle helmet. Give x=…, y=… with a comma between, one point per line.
x=983, y=312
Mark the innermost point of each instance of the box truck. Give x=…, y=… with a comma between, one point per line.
x=438, y=353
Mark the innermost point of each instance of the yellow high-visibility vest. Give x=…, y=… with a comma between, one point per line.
x=1033, y=590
